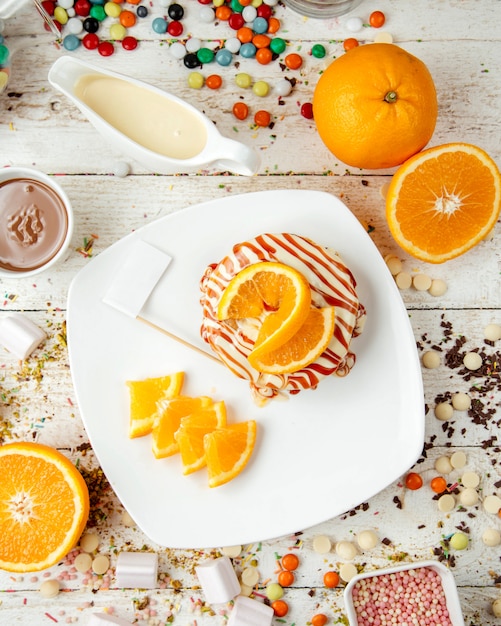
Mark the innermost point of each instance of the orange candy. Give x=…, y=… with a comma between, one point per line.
x=290, y=562
x=293, y=61
x=264, y=56
x=280, y=608
x=245, y=34
x=214, y=81
x=285, y=578
x=319, y=620
x=331, y=579
x=262, y=118
x=350, y=43
x=127, y=19
x=223, y=13
x=273, y=25
x=261, y=41
x=240, y=110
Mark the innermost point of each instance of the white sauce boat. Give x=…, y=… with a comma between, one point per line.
x=216, y=151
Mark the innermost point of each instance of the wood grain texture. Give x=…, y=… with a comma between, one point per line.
x=460, y=42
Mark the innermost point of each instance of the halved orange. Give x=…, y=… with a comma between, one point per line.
x=443, y=201
x=275, y=292
x=144, y=395
x=228, y=450
x=168, y=420
x=303, y=348
x=191, y=433
x=44, y=506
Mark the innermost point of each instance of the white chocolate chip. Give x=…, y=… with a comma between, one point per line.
x=444, y=411
x=496, y=607
x=403, y=280
x=431, y=359
x=491, y=537
x=83, y=562
x=472, y=361
x=470, y=479
x=367, y=540
x=347, y=571
x=468, y=496
x=437, y=288
x=421, y=282
x=383, y=190
x=322, y=544
x=232, y=551
x=250, y=576
x=492, y=332
x=49, y=588
x=443, y=465
x=100, y=564
x=383, y=38
x=461, y=401
x=127, y=520
x=393, y=263
x=246, y=590
x=346, y=550
x=458, y=459
x=89, y=542
x=446, y=503
x=492, y=504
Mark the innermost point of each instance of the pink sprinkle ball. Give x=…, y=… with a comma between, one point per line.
x=413, y=597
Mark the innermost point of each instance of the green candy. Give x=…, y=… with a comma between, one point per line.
x=318, y=51
x=277, y=45
x=205, y=55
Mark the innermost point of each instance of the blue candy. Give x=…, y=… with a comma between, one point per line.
x=159, y=25
x=71, y=42
x=260, y=25
x=248, y=50
x=223, y=57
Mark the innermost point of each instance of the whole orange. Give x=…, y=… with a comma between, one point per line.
x=375, y=106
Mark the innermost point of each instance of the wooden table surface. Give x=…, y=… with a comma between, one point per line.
x=460, y=42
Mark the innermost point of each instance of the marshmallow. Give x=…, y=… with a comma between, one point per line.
x=20, y=335
x=103, y=619
x=248, y=612
x=218, y=580
x=137, y=570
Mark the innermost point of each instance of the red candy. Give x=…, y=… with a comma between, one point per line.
x=129, y=43
x=307, y=110
x=90, y=41
x=82, y=7
x=106, y=48
x=236, y=21
x=175, y=28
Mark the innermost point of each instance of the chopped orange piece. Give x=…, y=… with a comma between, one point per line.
x=303, y=348
x=168, y=420
x=144, y=395
x=228, y=450
x=191, y=433
x=443, y=201
x=277, y=293
x=44, y=506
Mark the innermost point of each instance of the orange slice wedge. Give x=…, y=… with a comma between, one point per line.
x=443, y=201
x=168, y=420
x=228, y=450
x=144, y=395
x=44, y=506
x=275, y=292
x=191, y=433
x=303, y=348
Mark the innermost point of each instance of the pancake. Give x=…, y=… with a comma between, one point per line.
x=331, y=283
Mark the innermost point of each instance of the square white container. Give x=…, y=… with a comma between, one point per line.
x=448, y=585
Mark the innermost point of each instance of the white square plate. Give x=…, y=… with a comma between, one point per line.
x=318, y=454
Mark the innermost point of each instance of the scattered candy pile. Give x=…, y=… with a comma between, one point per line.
x=4, y=60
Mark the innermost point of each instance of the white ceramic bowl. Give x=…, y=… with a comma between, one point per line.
x=13, y=173
x=446, y=577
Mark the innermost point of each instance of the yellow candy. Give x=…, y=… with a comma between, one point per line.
x=117, y=32
x=112, y=9
x=60, y=15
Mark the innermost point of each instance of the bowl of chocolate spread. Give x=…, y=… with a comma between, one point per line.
x=36, y=222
